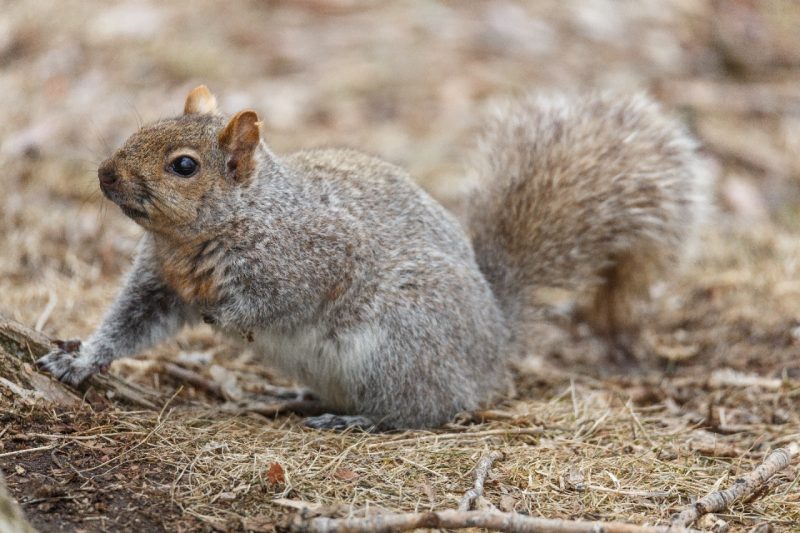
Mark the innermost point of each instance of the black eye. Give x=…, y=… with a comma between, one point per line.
x=183, y=166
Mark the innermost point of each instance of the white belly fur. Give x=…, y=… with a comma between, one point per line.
x=330, y=367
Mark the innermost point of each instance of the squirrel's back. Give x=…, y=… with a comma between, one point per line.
x=379, y=196
x=596, y=194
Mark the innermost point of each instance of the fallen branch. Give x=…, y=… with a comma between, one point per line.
x=16, y=337
x=481, y=471
x=743, y=487
x=492, y=520
x=26, y=345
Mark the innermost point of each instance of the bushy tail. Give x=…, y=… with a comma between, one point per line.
x=597, y=194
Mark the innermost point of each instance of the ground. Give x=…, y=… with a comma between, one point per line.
x=718, y=383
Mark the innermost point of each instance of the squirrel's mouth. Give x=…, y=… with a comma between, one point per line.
x=133, y=213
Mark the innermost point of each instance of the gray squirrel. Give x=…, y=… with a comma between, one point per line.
x=347, y=277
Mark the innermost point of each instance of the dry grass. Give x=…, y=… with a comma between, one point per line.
x=719, y=382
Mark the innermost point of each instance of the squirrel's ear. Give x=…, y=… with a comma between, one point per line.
x=200, y=101
x=239, y=139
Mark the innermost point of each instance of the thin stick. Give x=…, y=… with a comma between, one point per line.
x=481, y=471
x=192, y=378
x=743, y=487
x=27, y=450
x=466, y=435
x=492, y=520
x=52, y=300
x=626, y=492
x=273, y=409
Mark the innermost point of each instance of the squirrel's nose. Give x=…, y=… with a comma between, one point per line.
x=107, y=175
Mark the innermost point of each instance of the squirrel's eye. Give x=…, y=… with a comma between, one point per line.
x=183, y=166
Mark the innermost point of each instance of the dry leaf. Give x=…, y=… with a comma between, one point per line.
x=507, y=503
x=275, y=474
x=575, y=479
x=345, y=474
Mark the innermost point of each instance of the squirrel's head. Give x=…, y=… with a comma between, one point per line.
x=171, y=175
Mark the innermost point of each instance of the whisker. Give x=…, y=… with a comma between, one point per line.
x=88, y=198
x=139, y=120
x=102, y=139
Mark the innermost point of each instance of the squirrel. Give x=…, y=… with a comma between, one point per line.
x=346, y=276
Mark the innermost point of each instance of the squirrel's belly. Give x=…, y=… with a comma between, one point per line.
x=331, y=365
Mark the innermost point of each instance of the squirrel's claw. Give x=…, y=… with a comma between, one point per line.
x=340, y=422
x=69, y=367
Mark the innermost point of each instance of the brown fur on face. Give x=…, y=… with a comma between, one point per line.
x=148, y=191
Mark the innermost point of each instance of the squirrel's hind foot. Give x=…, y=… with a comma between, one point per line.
x=622, y=350
x=341, y=422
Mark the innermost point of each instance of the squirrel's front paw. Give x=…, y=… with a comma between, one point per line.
x=70, y=366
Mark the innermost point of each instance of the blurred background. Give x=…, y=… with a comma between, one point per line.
x=407, y=81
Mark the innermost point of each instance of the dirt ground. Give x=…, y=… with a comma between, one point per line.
x=718, y=384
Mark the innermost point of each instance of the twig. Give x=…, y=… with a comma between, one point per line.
x=193, y=378
x=52, y=300
x=127, y=390
x=298, y=407
x=718, y=501
x=510, y=432
x=481, y=471
x=27, y=450
x=422, y=467
x=492, y=520
x=626, y=492
x=638, y=423
x=22, y=392
x=727, y=377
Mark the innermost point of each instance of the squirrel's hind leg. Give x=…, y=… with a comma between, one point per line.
x=612, y=312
